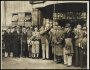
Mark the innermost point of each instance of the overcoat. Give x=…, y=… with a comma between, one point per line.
x=78, y=47
x=16, y=41
x=58, y=42
x=24, y=43
x=7, y=41
x=45, y=35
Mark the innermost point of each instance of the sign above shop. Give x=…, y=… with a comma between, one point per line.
x=36, y=2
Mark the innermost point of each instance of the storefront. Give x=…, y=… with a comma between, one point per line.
x=73, y=13
x=63, y=13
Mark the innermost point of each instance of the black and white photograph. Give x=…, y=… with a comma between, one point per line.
x=45, y=34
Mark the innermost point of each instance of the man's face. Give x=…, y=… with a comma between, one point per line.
x=36, y=29
x=8, y=30
x=31, y=28
x=17, y=29
x=42, y=28
x=66, y=29
x=55, y=27
x=12, y=30
x=47, y=27
x=24, y=30
x=79, y=27
x=59, y=28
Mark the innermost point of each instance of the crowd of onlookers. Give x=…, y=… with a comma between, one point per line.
x=69, y=46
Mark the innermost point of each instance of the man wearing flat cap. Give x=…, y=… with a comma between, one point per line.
x=68, y=49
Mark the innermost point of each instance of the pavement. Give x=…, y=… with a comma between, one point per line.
x=29, y=63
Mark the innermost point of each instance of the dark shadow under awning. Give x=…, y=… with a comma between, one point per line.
x=63, y=7
x=73, y=7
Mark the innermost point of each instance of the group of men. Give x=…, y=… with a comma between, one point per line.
x=67, y=44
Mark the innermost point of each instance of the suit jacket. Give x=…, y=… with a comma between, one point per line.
x=7, y=38
x=45, y=35
x=24, y=37
x=52, y=33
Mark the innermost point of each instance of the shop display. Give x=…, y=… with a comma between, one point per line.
x=70, y=15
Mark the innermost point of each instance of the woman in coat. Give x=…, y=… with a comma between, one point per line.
x=59, y=44
x=78, y=45
x=36, y=43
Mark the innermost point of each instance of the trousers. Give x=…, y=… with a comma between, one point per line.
x=67, y=58
x=45, y=50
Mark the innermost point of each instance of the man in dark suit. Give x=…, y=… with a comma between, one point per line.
x=15, y=42
x=29, y=35
x=7, y=41
x=12, y=41
x=18, y=41
x=24, y=46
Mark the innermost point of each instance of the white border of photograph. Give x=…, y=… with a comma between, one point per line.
x=3, y=19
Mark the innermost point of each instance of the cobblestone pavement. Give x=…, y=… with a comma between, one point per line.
x=29, y=63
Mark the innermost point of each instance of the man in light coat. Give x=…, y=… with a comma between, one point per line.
x=45, y=40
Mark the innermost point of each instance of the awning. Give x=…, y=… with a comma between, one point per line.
x=54, y=2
